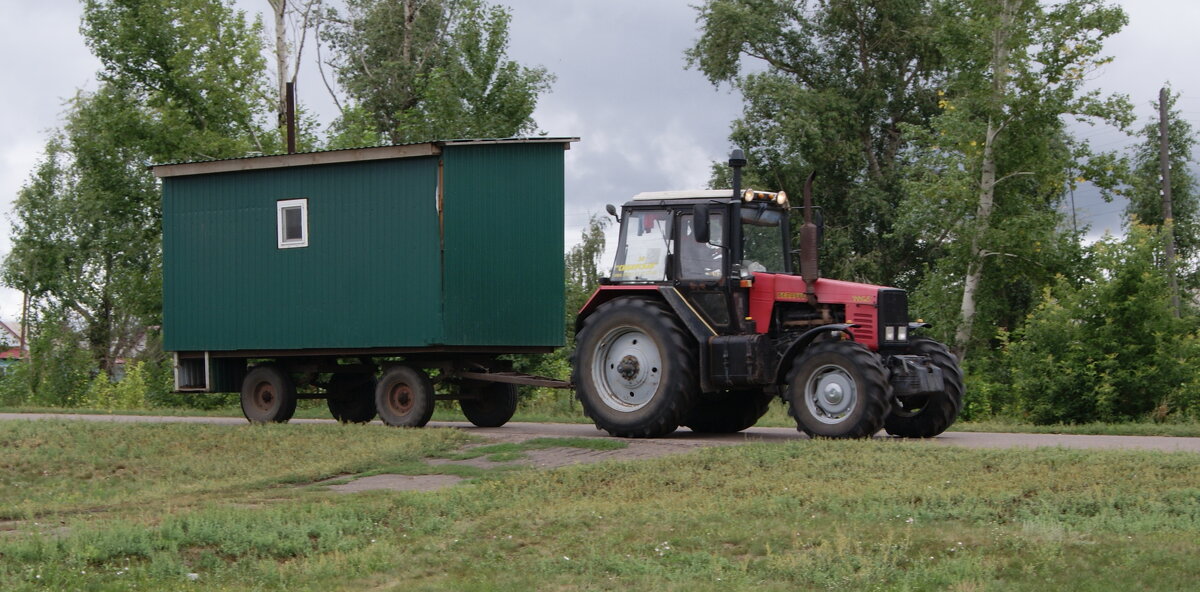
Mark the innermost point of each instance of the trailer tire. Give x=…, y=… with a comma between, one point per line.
x=268, y=395
x=351, y=397
x=838, y=389
x=634, y=369
x=404, y=397
x=931, y=414
x=732, y=413
x=495, y=405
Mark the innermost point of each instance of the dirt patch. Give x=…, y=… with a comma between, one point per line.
x=540, y=458
x=397, y=483
x=13, y=528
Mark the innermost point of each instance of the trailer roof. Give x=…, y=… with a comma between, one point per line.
x=434, y=148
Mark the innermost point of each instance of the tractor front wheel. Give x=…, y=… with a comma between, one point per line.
x=838, y=389
x=635, y=369
x=929, y=414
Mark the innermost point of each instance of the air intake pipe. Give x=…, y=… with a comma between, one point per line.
x=809, y=243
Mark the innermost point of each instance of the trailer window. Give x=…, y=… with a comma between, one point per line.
x=292, y=223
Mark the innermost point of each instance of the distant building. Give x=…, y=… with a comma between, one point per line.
x=11, y=350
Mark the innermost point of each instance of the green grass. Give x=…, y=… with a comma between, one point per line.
x=234, y=507
x=55, y=467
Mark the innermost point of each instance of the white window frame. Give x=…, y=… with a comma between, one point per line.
x=287, y=204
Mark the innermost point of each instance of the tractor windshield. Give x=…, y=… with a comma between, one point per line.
x=762, y=233
x=642, y=252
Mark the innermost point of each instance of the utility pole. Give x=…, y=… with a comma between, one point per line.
x=1164, y=161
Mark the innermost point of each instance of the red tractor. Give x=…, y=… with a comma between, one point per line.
x=703, y=321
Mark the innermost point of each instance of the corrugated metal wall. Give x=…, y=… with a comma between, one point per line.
x=369, y=277
x=504, y=244
x=373, y=274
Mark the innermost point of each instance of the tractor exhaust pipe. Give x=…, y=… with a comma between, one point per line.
x=809, y=261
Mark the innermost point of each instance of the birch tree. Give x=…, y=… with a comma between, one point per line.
x=995, y=164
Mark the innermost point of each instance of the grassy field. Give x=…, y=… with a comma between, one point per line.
x=202, y=507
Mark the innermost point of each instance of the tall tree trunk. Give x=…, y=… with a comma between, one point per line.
x=279, y=9
x=987, y=176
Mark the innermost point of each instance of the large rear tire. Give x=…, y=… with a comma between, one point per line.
x=268, y=395
x=495, y=405
x=635, y=369
x=838, y=389
x=351, y=397
x=926, y=416
x=404, y=397
x=729, y=414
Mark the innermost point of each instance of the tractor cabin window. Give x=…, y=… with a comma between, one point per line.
x=642, y=252
x=292, y=223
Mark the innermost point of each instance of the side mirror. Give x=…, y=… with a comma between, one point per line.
x=700, y=223
x=612, y=211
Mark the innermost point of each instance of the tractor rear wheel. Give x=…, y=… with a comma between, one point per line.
x=495, y=405
x=928, y=415
x=268, y=395
x=404, y=397
x=838, y=389
x=635, y=369
x=731, y=413
x=351, y=397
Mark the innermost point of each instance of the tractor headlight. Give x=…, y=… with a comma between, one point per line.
x=902, y=333
x=781, y=198
x=889, y=333
x=748, y=195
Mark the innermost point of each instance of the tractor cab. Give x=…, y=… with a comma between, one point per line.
x=685, y=239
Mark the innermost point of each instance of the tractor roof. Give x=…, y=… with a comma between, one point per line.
x=685, y=194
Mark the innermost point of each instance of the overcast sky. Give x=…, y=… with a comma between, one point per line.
x=646, y=122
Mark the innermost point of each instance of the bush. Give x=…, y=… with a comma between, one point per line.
x=1108, y=349
x=15, y=386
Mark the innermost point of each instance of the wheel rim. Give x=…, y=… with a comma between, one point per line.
x=627, y=369
x=264, y=397
x=830, y=394
x=400, y=398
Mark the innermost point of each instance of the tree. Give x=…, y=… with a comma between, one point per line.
x=181, y=81
x=996, y=162
x=1145, y=189
x=427, y=69
x=836, y=81
x=197, y=68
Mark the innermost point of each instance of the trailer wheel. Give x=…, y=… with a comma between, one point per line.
x=837, y=389
x=635, y=369
x=496, y=404
x=268, y=395
x=926, y=416
x=351, y=397
x=404, y=397
x=732, y=413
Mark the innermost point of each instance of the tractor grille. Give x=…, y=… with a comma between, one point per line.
x=866, y=325
x=893, y=307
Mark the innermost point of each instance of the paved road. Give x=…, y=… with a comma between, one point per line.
x=686, y=439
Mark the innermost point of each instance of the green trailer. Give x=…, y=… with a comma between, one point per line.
x=370, y=277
